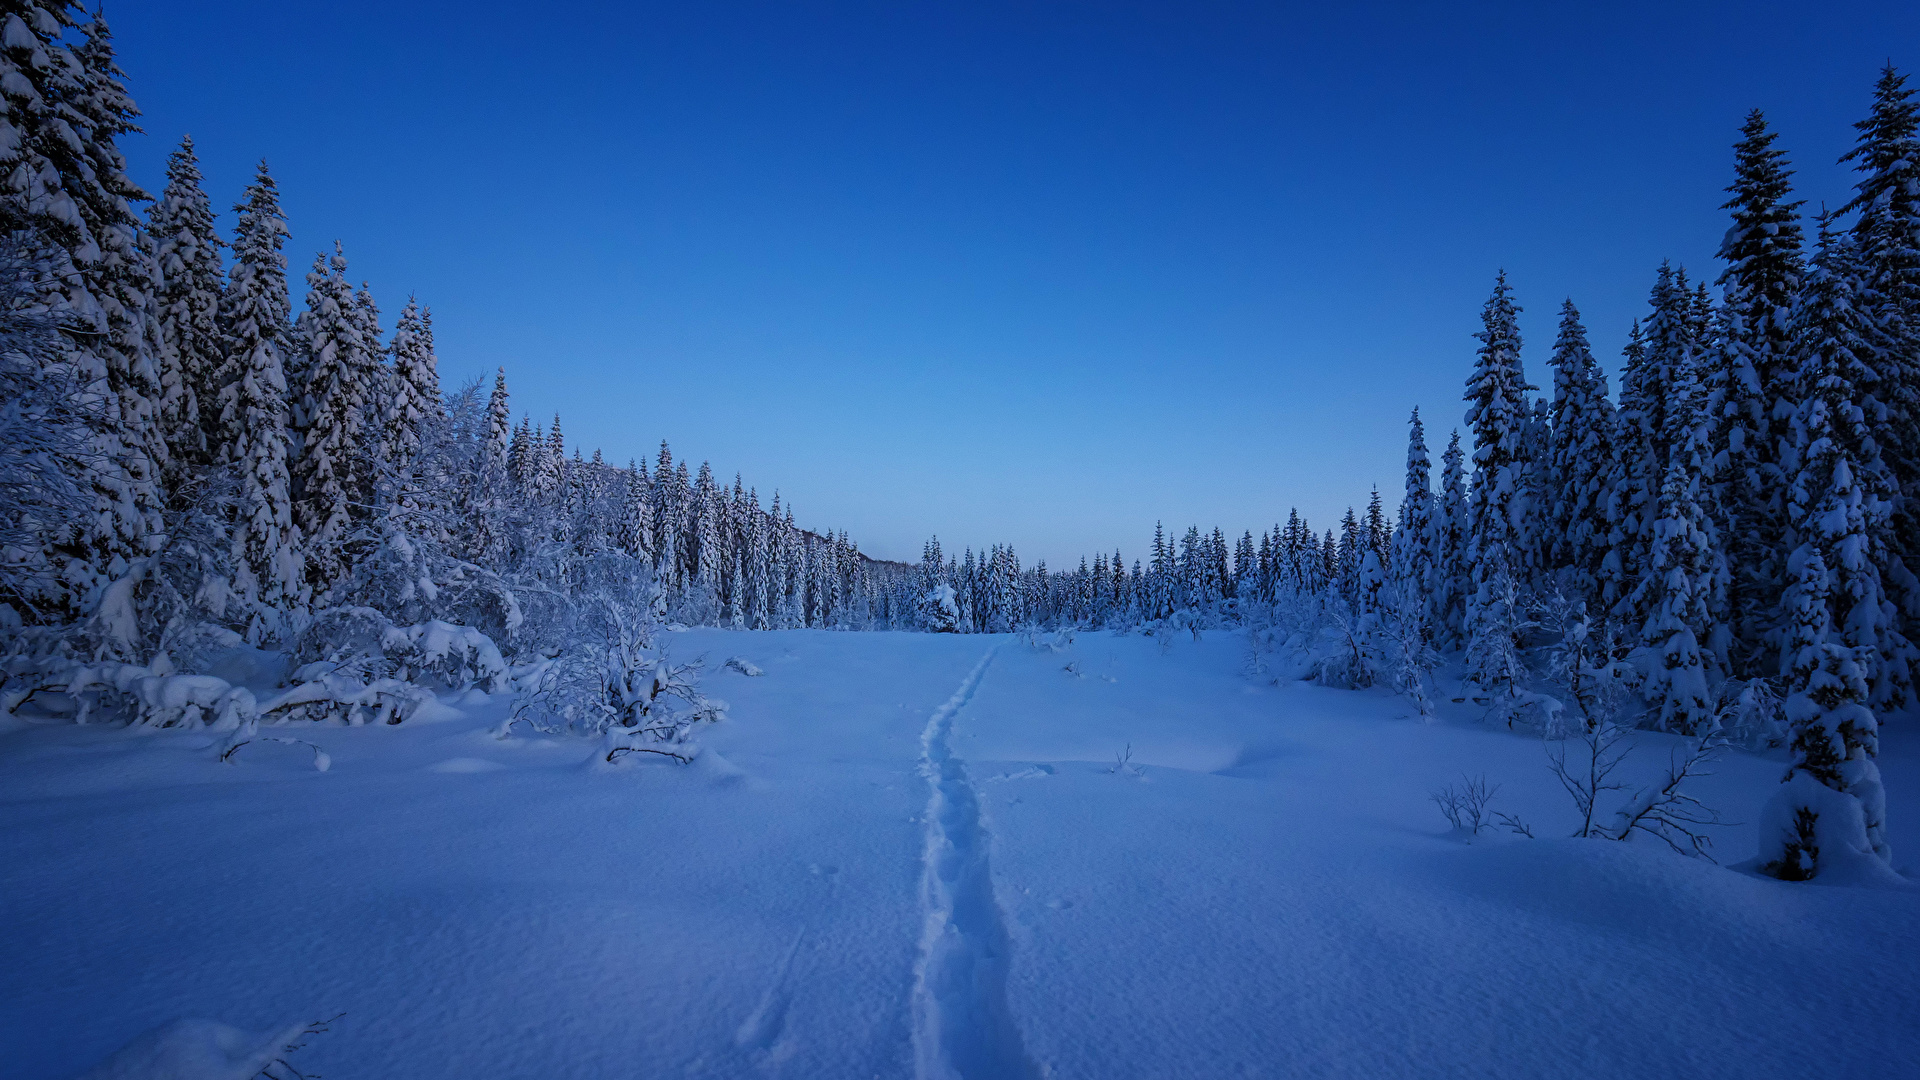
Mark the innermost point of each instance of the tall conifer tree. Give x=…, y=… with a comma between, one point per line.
x=1750, y=382
x=1451, y=587
x=188, y=299
x=1578, y=458
x=331, y=481
x=1836, y=457
x=66, y=196
x=1413, y=567
x=253, y=429
x=1497, y=413
x=1886, y=235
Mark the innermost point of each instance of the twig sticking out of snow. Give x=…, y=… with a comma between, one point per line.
x=1123, y=764
x=1663, y=810
x=280, y=1068
x=1584, y=783
x=321, y=761
x=1513, y=824
x=1667, y=812
x=1465, y=806
x=613, y=755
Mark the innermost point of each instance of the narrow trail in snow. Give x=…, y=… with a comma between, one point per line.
x=961, y=1027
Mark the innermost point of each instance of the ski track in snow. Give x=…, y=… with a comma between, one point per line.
x=961, y=1027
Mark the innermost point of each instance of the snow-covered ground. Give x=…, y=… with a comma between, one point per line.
x=915, y=855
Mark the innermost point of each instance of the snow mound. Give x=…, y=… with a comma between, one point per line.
x=718, y=769
x=465, y=765
x=194, y=1049
x=744, y=666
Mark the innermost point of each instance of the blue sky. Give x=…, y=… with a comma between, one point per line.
x=1028, y=273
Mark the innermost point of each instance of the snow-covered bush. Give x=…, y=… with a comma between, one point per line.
x=1494, y=657
x=1350, y=658
x=354, y=665
x=615, y=679
x=405, y=572
x=1581, y=661
x=1041, y=640
x=1410, y=659
x=154, y=696
x=362, y=642
x=1751, y=713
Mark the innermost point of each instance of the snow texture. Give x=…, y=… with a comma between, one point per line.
x=894, y=860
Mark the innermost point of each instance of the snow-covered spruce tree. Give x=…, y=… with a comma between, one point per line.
x=253, y=429
x=1831, y=810
x=1577, y=463
x=128, y=492
x=1532, y=546
x=1750, y=384
x=380, y=461
x=1685, y=584
x=549, y=470
x=1497, y=414
x=1622, y=566
x=762, y=573
x=413, y=401
x=636, y=515
x=1684, y=566
x=1246, y=569
x=1448, y=606
x=1647, y=428
x=1834, y=450
x=187, y=295
x=482, y=498
x=63, y=181
x=499, y=420
x=517, y=452
x=736, y=593
x=708, y=556
x=667, y=510
x=1413, y=565
x=1220, y=566
x=331, y=473
x=1347, y=561
x=1886, y=235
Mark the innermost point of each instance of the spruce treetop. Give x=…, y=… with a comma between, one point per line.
x=1496, y=391
x=1887, y=153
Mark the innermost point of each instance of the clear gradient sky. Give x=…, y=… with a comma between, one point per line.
x=1027, y=272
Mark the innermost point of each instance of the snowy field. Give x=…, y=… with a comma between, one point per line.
x=1264, y=890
